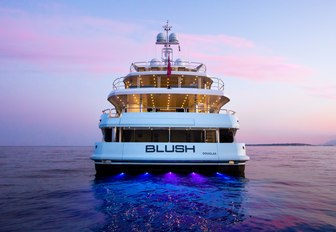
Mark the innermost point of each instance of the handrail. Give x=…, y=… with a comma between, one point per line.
x=227, y=111
x=148, y=66
x=119, y=83
x=217, y=83
x=113, y=113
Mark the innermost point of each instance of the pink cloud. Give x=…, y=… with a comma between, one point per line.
x=100, y=45
x=216, y=40
x=239, y=57
x=82, y=44
x=254, y=67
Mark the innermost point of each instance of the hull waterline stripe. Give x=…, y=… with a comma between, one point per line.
x=168, y=163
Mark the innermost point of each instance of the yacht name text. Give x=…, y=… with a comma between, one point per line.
x=170, y=148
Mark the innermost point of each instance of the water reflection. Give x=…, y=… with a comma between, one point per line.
x=170, y=201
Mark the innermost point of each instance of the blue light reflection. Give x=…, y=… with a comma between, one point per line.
x=185, y=202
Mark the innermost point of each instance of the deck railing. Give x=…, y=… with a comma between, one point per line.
x=113, y=113
x=162, y=66
x=216, y=84
x=119, y=83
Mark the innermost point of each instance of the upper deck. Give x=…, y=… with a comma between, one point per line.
x=177, y=65
x=149, y=76
x=168, y=85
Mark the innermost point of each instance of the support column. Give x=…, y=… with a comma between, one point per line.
x=195, y=104
x=217, y=135
x=169, y=135
x=138, y=82
x=114, y=133
x=120, y=134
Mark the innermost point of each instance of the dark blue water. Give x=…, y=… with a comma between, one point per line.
x=55, y=189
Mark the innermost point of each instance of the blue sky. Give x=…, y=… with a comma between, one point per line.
x=58, y=60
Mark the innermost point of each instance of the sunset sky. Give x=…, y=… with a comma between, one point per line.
x=58, y=60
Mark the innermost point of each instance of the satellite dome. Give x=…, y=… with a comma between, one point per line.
x=173, y=38
x=155, y=62
x=160, y=38
x=179, y=62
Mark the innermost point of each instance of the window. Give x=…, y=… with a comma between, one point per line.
x=195, y=136
x=210, y=136
x=128, y=135
x=142, y=135
x=160, y=135
x=111, y=134
x=175, y=135
x=178, y=136
x=107, y=134
x=226, y=135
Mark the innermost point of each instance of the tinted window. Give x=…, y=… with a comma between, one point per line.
x=226, y=135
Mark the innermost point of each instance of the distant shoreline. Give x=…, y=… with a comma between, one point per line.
x=283, y=144
x=250, y=145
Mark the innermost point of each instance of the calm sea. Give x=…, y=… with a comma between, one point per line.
x=55, y=189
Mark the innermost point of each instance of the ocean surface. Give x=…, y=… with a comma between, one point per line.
x=55, y=189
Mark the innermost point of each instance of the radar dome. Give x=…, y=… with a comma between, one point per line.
x=154, y=62
x=160, y=38
x=173, y=38
x=179, y=62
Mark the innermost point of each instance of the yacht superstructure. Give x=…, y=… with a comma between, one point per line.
x=168, y=115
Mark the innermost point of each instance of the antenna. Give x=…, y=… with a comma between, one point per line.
x=167, y=28
x=167, y=40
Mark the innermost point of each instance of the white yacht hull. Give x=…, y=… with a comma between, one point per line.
x=146, y=157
